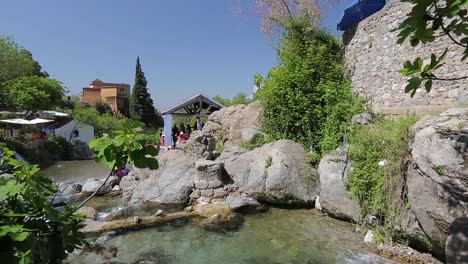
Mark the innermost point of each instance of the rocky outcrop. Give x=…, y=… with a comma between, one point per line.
x=277, y=172
x=171, y=183
x=200, y=145
x=334, y=198
x=236, y=124
x=438, y=176
x=209, y=183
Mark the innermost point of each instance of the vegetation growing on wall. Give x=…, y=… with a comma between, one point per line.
x=306, y=98
x=378, y=153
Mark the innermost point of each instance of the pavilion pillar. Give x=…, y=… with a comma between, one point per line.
x=167, y=130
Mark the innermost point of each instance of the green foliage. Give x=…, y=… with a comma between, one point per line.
x=377, y=188
x=105, y=123
x=268, y=161
x=258, y=80
x=31, y=229
x=45, y=152
x=439, y=170
x=141, y=104
x=103, y=107
x=425, y=22
x=33, y=93
x=239, y=98
x=126, y=146
x=13, y=62
x=259, y=141
x=219, y=148
x=306, y=98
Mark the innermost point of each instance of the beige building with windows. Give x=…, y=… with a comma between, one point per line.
x=115, y=94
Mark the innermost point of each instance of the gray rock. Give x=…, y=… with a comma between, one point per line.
x=219, y=193
x=334, y=198
x=277, y=172
x=72, y=189
x=210, y=172
x=172, y=183
x=91, y=185
x=207, y=193
x=362, y=119
x=250, y=134
x=159, y=212
x=199, y=145
x=369, y=238
x=437, y=177
x=188, y=209
x=195, y=194
x=236, y=202
x=233, y=125
x=456, y=246
x=88, y=212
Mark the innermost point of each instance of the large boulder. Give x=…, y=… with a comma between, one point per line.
x=334, y=198
x=277, y=172
x=91, y=185
x=172, y=183
x=236, y=124
x=200, y=145
x=438, y=176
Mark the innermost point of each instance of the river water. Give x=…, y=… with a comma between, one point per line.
x=276, y=236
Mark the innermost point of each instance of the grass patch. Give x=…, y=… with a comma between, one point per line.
x=379, y=189
x=258, y=142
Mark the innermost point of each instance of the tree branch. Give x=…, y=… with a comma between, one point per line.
x=446, y=30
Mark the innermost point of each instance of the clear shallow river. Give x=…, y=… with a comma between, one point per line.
x=278, y=236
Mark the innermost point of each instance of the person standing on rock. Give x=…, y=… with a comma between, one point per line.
x=198, y=124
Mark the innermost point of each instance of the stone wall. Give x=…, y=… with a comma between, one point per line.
x=374, y=59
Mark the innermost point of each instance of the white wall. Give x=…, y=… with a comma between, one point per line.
x=86, y=131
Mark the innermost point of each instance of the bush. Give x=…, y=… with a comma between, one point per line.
x=307, y=98
x=32, y=230
x=45, y=152
x=378, y=188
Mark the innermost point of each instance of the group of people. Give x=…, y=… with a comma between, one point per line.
x=182, y=132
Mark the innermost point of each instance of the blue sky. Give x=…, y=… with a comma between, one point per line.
x=184, y=46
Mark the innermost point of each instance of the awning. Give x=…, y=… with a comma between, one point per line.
x=20, y=121
x=359, y=11
x=55, y=113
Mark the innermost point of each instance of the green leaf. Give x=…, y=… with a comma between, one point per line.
x=428, y=85
x=413, y=85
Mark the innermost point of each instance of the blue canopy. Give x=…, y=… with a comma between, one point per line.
x=359, y=11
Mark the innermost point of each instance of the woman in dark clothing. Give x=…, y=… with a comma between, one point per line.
x=175, y=134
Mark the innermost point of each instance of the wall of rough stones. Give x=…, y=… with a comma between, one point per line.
x=374, y=59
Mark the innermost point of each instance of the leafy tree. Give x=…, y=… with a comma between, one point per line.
x=258, y=80
x=105, y=123
x=141, y=104
x=239, y=98
x=15, y=61
x=306, y=98
x=33, y=93
x=32, y=230
x=428, y=20
x=103, y=107
x=280, y=14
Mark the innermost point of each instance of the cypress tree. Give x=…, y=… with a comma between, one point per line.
x=141, y=104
